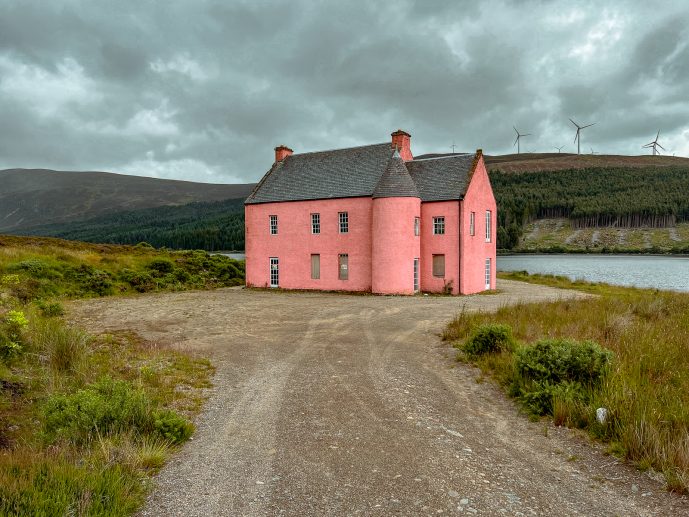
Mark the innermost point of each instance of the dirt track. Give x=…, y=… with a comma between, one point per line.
x=341, y=405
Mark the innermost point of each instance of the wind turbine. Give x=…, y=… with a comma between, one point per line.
x=577, y=138
x=519, y=135
x=593, y=152
x=654, y=145
x=559, y=149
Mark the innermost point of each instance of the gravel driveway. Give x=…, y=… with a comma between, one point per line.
x=329, y=404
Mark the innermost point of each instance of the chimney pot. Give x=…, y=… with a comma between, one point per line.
x=282, y=152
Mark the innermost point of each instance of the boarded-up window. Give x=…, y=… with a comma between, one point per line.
x=315, y=267
x=344, y=267
x=439, y=265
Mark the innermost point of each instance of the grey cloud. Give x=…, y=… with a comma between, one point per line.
x=204, y=90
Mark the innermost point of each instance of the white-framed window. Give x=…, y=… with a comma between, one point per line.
x=439, y=266
x=439, y=225
x=416, y=275
x=472, y=223
x=315, y=267
x=315, y=223
x=273, y=224
x=417, y=226
x=274, y=272
x=489, y=230
x=344, y=222
x=343, y=263
x=488, y=273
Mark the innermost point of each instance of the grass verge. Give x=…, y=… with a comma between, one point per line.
x=550, y=360
x=86, y=420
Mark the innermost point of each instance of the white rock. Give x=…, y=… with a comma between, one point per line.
x=601, y=415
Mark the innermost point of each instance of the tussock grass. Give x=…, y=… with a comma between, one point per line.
x=646, y=390
x=84, y=420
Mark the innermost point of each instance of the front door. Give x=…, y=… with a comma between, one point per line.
x=274, y=272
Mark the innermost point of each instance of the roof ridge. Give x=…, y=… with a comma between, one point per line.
x=457, y=155
x=341, y=149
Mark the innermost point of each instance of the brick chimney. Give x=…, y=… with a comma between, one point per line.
x=402, y=141
x=282, y=152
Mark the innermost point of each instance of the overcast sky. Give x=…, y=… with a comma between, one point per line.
x=204, y=90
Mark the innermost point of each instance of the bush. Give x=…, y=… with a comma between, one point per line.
x=91, y=280
x=561, y=371
x=105, y=407
x=162, y=266
x=50, y=309
x=110, y=407
x=560, y=360
x=172, y=427
x=35, y=267
x=489, y=339
x=12, y=334
x=141, y=281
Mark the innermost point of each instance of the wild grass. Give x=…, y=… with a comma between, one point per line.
x=40, y=269
x=646, y=390
x=85, y=420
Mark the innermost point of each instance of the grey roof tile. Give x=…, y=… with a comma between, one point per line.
x=352, y=172
x=396, y=181
x=363, y=171
x=443, y=178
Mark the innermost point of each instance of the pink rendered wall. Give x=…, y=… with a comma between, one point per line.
x=295, y=243
x=394, y=245
x=447, y=244
x=475, y=249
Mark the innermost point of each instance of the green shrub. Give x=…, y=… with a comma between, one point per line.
x=91, y=280
x=104, y=407
x=9, y=348
x=140, y=280
x=12, y=334
x=172, y=427
x=558, y=370
x=161, y=266
x=35, y=267
x=50, y=309
x=489, y=339
x=560, y=360
x=110, y=407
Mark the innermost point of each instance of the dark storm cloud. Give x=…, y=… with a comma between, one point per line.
x=203, y=90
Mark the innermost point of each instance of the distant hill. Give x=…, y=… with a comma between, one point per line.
x=535, y=162
x=35, y=197
x=214, y=226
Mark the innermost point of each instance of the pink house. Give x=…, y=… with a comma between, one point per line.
x=373, y=218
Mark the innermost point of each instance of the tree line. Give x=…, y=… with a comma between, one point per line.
x=612, y=196
x=211, y=226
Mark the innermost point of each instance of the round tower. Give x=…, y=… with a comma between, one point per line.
x=395, y=247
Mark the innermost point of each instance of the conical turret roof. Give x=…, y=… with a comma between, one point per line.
x=396, y=181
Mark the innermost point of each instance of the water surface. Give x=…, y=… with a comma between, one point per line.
x=660, y=272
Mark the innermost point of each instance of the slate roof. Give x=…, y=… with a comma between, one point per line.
x=443, y=178
x=396, y=181
x=365, y=171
